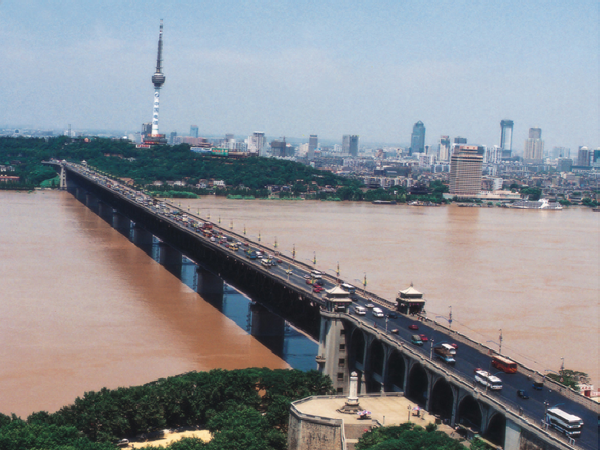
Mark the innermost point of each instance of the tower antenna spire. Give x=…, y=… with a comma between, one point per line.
x=158, y=79
x=159, y=56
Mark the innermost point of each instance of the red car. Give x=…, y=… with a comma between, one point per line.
x=424, y=338
x=309, y=281
x=413, y=327
x=317, y=289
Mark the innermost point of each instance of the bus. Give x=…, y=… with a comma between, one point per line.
x=487, y=379
x=566, y=423
x=348, y=288
x=504, y=364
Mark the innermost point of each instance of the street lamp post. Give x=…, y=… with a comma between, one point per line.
x=500, y=340
x=294, y=252
x=315, y=259
x=431, y=349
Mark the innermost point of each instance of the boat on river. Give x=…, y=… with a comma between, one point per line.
x=539, y=204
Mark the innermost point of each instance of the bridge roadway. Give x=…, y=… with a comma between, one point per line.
x=470, y=354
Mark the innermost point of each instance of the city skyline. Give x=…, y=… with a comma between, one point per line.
x=337, y=69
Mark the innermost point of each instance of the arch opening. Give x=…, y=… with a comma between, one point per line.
x=442, y=399
x=418, y=384
x=376, y=360
x=396, y=373
x=496, y=429
x=469, y=414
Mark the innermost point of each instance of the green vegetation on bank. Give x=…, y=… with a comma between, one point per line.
x=122, y=159
x=242, y=408
x=409, y=436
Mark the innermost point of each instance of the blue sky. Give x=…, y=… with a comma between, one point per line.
x=294, y=68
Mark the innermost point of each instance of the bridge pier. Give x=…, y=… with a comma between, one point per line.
x=63, y=178
x=170, y=258
x=142, y=238
x=267, y=327
x=91, y=201
x=121, y=223
x=105, y=211
x=209, y=283
x=331, y=356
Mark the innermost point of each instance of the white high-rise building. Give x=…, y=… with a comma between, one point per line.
x=256, y=143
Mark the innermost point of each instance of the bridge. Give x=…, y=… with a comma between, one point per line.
x=378, y=349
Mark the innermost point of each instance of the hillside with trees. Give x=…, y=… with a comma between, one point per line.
x=122, y=159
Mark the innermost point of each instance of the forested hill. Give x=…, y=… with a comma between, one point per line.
x=169, y=163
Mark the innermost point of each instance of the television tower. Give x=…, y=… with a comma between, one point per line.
x=158, y=79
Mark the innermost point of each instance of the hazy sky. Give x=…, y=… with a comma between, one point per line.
x=294, y=68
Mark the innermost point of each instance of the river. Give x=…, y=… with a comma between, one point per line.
x=82, y=308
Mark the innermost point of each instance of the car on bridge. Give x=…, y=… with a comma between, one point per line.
x=413, y=326
x=522, y=394
x=424, y=338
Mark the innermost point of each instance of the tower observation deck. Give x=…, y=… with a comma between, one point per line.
x=158, y=79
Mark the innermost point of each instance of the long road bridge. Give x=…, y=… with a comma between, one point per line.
x=378, y=349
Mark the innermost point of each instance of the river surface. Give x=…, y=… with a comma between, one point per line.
x=81, y=307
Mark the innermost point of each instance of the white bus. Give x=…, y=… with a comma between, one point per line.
x=564, y=422
x=348, y=288
x=489, y=380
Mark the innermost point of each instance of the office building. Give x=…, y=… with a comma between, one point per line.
x=564, y=165
x=560, y=152
x=583, y=157
x=506, y=132
x=313, y=143
x=194, y=131
x=533, y=149
x=445, y=148
x=256, y=143
x=146, y=129
x=417, y=139
x=172, y=137
x=350, y=144
x=465, y=171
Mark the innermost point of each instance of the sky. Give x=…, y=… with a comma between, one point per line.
x=300, y=67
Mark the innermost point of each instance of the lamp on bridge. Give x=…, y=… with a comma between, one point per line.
x=258, y=235
x=244, y=229
x=294, y=252
x=315, y=259
x=275, y=244
x=231, y=225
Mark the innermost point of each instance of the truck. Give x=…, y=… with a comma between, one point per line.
x=444, y=354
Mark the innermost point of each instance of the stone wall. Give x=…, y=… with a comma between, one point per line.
x=309, y=432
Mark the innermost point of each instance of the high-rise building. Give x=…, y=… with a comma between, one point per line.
x=533, y=150
x=146, y=130
x=350, y=144
x=194, y=131
x=256, y=143
x=465, y=171
x=158, y=79
x=172, y=137
x=460, y=140
x=445, y=148
x=560, y=152
x=417, y=138
x=313, y=142
x=583, y=156
x=564, y=165
x=506, y=132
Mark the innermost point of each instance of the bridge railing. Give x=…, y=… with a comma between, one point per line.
x=534, y=375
